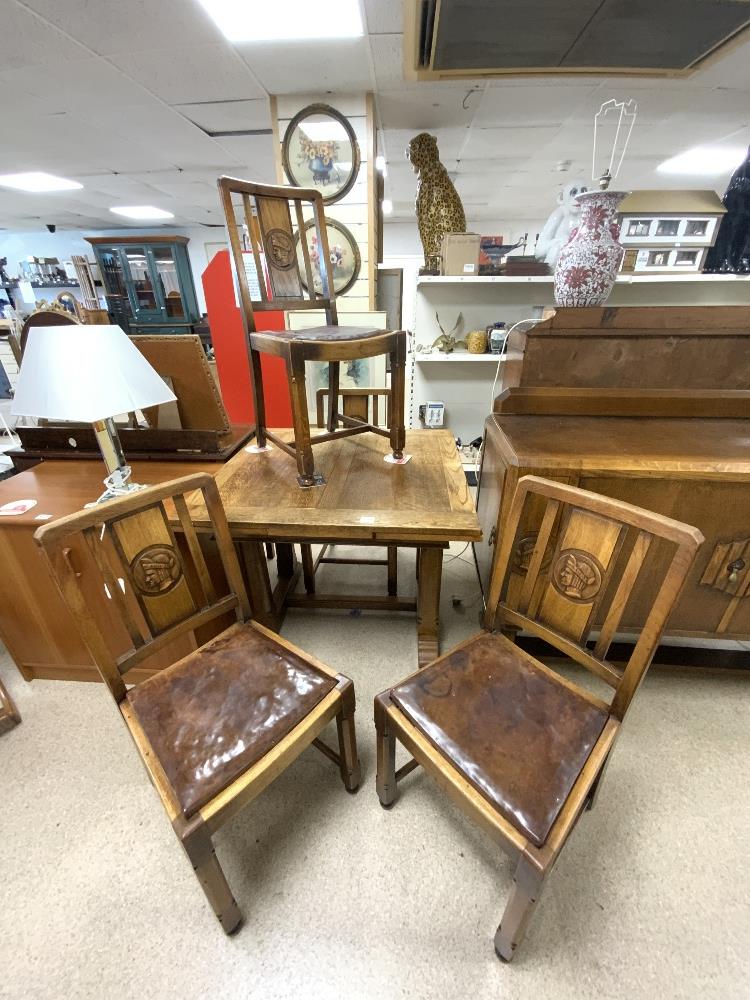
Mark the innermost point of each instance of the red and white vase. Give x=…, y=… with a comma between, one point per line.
x=588, y=263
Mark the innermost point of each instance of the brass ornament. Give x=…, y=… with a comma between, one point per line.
x=476, y=342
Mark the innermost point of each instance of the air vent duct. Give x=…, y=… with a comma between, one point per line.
x=470, y=38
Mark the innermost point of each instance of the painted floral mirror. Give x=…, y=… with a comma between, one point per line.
x=320, y=151
x=345, y=257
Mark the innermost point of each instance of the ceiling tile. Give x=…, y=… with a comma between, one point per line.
x=111, y=26
x=388, y=61
x=490, y=143
x=292, y=68
x=25, y=40
x=532, y=104
x=198, y=73
x=86, y=83
x=218, y=116
x=430, y=108
x=384, y=16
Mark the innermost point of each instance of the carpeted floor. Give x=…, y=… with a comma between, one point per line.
x=345, y=900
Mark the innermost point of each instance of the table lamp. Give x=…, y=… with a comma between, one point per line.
x=89, y=374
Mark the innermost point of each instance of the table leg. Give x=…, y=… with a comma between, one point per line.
x=285, y=559
x=392, y=569
x=308, y=567
x=258, y=583
x=430, y=564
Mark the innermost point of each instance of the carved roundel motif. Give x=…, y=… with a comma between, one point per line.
x=281, y=249
x=156, y=569
x=577, y=575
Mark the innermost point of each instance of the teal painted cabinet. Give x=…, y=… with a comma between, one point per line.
x=148, y=282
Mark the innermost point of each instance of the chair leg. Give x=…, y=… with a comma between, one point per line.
x=200, y=851
x=259, y=402
x=333, y=394
x=386, y=754
x=398, y=396
x=594, y=790
x=527, y=887
x=351, y=771
x=302, y=446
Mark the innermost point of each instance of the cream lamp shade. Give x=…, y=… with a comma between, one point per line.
x=85, y=373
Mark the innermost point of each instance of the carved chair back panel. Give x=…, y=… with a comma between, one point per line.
x=157, y=581
x=271, y=219
x=579, y=569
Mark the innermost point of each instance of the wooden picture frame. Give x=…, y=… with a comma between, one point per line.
x=181, y=359
x=322, y=154
x=334, y=230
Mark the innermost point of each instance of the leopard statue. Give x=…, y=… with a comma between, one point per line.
x=439, y=208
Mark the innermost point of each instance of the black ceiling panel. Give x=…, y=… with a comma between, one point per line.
x=478, y=34
x=612, y=34
x=669, y=34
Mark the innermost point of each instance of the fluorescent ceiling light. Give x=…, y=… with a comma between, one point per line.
x=285, y=20
x=322, y=131
x=704, y=160
x=387, y=206
x=142, y=212
x=37, y=180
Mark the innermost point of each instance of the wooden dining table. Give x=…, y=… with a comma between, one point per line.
x=423, y=504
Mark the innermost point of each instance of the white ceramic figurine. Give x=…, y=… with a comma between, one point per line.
x=558, y=227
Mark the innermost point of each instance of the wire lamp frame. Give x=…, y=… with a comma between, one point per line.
x=626, y=113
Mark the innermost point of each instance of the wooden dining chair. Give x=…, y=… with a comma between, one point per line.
x=216, y=727
x=9, y=714
x=520, y=748
x=46, y=316
x=266, y=212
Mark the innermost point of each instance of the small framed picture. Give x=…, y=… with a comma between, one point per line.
x=685, y=258
x=667, y=227
x=639, y=227
x=344, y=253
x=320, y=150
x=696, y=227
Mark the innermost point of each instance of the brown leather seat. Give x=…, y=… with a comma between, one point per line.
x=321, y=333
x=219, y=710
x=513, y=730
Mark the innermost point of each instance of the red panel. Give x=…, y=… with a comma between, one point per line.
x=230, y=349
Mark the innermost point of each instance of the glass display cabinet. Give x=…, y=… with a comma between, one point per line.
x=148, y=282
